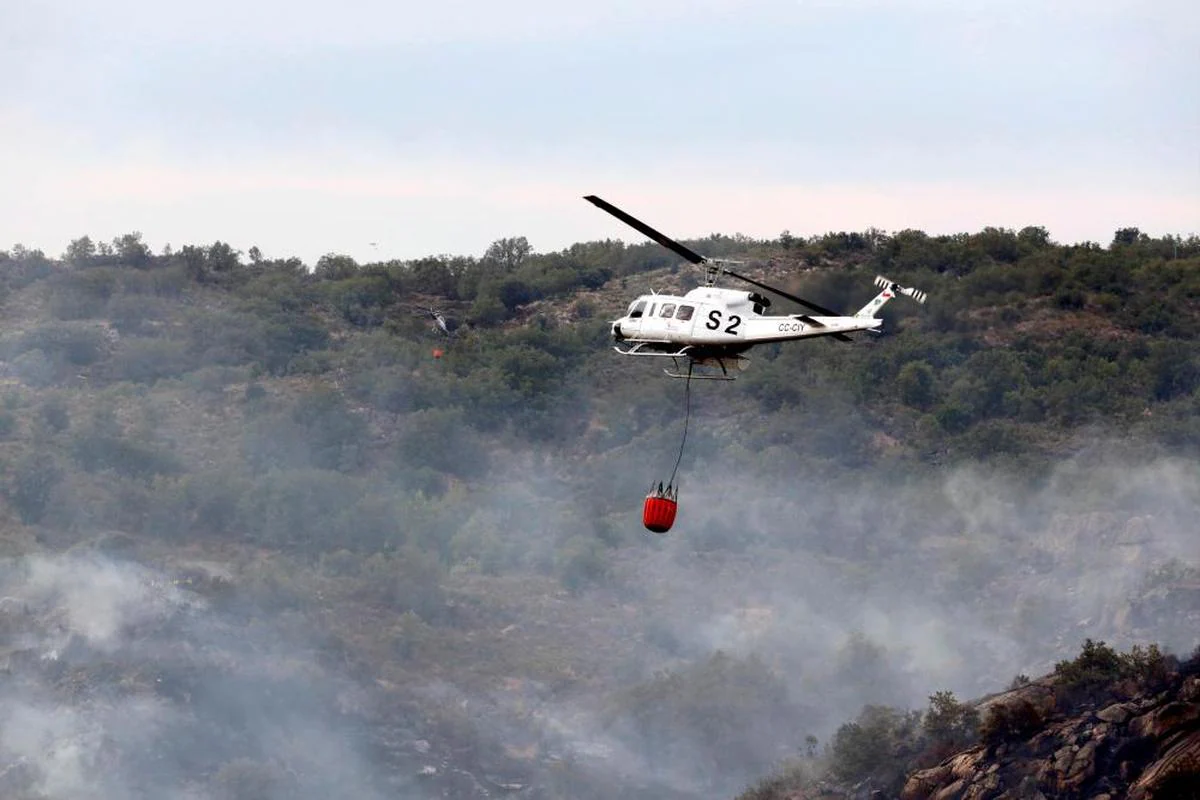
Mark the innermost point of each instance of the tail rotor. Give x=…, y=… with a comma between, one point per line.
x=907, y=291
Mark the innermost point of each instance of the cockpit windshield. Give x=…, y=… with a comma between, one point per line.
x=637, y=309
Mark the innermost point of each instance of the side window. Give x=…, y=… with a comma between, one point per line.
x=685, y=312
x=667, y=310
x=650, y=313
x=637, y=309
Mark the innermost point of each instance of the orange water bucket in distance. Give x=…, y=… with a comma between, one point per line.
x=658, y=514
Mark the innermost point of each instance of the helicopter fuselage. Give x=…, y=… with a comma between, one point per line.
x=716, y=321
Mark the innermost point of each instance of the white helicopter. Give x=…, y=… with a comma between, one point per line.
x=713, y=326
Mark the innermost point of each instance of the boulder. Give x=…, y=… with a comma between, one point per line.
x=923, y=784
x=1117, y=713
x=1176, y=771
x=1080, y=771
x=1161, y=721
x=966, y=764
x=952, y=792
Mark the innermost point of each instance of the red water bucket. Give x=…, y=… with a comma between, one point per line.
x=658, y=514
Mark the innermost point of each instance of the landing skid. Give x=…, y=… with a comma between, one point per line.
x=694, y=375
x=646, y=349
x=696, y=362
x=700, y=376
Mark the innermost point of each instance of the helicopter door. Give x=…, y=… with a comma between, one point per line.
x=653, y=324
x=679, y=326
x=666, y=319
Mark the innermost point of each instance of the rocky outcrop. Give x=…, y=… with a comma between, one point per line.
x=1146, y=747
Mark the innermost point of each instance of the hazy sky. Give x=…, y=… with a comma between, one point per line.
x=307, y=128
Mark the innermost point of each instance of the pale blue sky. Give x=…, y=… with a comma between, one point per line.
x=308, y=127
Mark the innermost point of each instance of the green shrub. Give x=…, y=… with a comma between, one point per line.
x=1069, y=299
x=1090, y=676
x=213, y=499
x=1096, y=664
x=95, y=450
x=783, y=783
x=135, y=315
x=55, y=413
x=950, y=723
x=1150, y=667
x=878, y=746
x=1008, y=722
x=148, y=360
x=82, y=294
x=916, y=385
x=71, y=343
x=441, y=440
x=32, y=482
x=337, y=437
x=296, y=508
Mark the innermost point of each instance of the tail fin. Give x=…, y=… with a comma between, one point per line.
x=890, y=290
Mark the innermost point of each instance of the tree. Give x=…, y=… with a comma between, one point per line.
x=950, y=723
x=195, y=261
x=222, y=258
x=513, y=293
x=1090, y=673
x=1174, y=369
x=333, y=267
x=1000, y=244
x=32, y=483
x=336, y=435
x=131, y=250
x=1127, y=236
x=915, y=382
x=432, y=276
x=1034, y=236
x=508, y=254
x=878, y=745
x=487, y=310
x=80, y=252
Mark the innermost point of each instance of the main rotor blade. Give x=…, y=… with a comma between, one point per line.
x=641, y=227
x=819, y=309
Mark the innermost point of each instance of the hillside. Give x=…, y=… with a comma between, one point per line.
x=258, y=540
x=1102, y=725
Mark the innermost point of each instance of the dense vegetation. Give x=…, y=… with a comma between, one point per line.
x=298, y=422
x=1025, y=344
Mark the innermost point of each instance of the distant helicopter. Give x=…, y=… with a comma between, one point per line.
x=445, y=326
x=712, y=326
x=448, y=327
